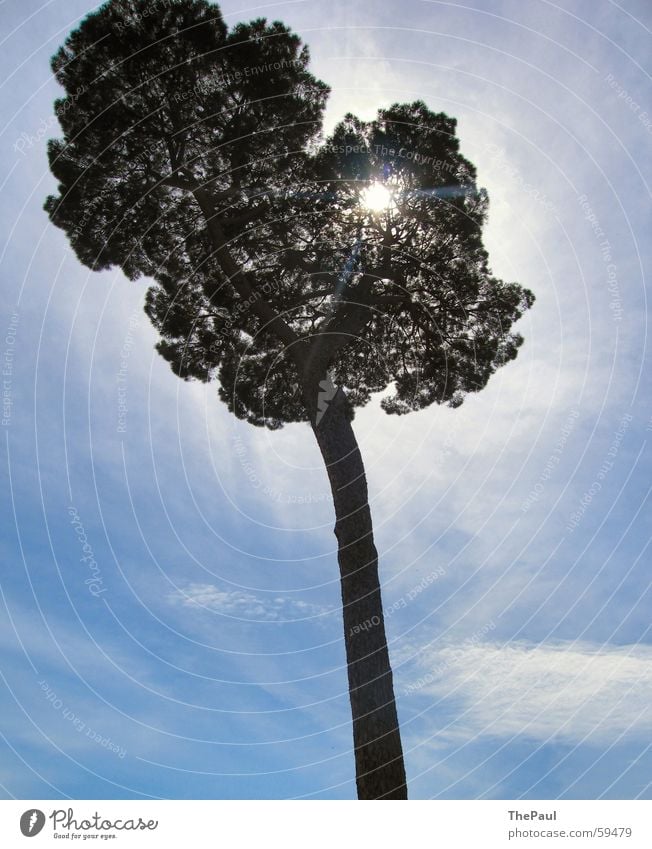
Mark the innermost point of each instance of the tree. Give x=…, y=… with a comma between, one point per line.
x=192, y=155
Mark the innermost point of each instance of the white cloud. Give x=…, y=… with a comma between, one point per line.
x=569, y=693
x=243, y=605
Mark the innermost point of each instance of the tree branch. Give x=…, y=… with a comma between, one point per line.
x=239, y=279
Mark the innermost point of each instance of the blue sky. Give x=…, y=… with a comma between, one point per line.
x=170, y=602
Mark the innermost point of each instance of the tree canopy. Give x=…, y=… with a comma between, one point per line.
x=193, y=155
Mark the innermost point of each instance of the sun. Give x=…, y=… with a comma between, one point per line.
x=377, y=197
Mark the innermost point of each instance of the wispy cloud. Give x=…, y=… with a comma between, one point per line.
x=568, y=693
x=243, y=605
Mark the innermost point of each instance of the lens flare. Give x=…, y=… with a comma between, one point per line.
x=377, y=197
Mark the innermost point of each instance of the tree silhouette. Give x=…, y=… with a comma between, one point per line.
x=303, y=275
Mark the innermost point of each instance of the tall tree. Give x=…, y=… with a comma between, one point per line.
x=303, y=275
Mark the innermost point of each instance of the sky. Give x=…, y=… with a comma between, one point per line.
x=171, y=617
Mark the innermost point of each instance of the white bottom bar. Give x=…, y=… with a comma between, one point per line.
x=325, y=825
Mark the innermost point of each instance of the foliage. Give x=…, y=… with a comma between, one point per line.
x=192, y=155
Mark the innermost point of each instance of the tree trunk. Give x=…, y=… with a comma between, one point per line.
x=380, y=773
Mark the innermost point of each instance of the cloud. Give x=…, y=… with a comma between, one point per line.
x=243, y=605
x=570, y=693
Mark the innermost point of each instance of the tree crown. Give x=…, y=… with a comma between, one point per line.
x=193, y=155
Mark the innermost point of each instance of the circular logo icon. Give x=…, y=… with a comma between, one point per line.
x=32, y=822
